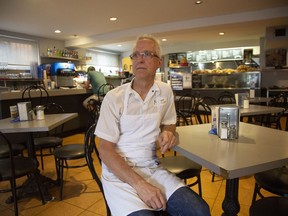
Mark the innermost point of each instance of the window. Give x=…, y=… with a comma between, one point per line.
x=18, y=53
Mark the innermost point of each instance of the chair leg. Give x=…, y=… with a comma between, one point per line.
x=199, y=185
x=57, y=166
x=36, y=175
x=41, y=158
x=256, y=192
x=14, y=194
x=61, y=178
x=213, y=177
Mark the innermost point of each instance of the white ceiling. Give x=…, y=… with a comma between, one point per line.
x=184, y=24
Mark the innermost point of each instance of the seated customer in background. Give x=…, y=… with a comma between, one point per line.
x=134, y=117
x=96, y=79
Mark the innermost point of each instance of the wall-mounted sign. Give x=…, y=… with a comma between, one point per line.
x=276, y=58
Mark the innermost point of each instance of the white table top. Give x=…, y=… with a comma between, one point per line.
x=51, y=121
x=257, y=149
x=259, y=99
x=259, y=110
x=254, y=109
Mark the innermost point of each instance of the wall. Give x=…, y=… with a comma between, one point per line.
x=271, y=76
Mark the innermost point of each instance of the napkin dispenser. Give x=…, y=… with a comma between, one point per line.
x=228, y=122
x=24, y=110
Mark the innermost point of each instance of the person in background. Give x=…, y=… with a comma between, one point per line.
x=96, y=79
x=134, y=117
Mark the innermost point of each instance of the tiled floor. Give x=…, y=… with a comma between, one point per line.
x=82, y=196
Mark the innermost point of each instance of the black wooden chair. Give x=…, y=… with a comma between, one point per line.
x=102, y=91
x=226, y=98
x=270, y=206
x=38, y=95
x=94, y=111
x=15, y=167
x=275, y=181
x=203, y=114
x=181, y=166
x=90, y=148
x=52, y=139
x=209, y=100
x=273, y=120
x=72, y=152
x=17, y=149
x=185, y=105
x=63, y=155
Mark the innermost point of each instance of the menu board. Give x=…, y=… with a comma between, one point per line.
x=213, y=55
x=276, y=57
x=176, y=80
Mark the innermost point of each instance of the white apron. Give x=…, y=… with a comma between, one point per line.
x=139, y=151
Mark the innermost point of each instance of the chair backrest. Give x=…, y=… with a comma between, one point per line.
x=38, y=92
x=280, y=100
x=94, y=111
x=226, y=98
x=90, y=147
x=186, y=103
x=181, y=119
x=203, y=113
x=102, y=91
x=54, y=108
x=5, y=141
x=209, y=100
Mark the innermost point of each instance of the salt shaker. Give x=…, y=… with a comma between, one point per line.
x=40, y=112
x=232, y=132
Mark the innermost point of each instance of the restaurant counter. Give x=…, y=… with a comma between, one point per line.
x=70, y=99
x=114, y=80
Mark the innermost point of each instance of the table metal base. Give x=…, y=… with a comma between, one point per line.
x=230, y=204
x=30, y=187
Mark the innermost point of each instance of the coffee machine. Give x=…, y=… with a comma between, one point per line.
x=63, y=73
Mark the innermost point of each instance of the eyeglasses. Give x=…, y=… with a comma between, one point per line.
x=144, y=55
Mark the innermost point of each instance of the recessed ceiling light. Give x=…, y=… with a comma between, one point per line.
x=198, y=2
x=119, y=45
x=113, y=18
x=57, y=31
x=221, y=33
x=164, y=39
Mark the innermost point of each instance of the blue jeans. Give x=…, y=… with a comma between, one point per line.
x=183, y=202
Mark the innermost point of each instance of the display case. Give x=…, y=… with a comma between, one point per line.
x=231, y=74
x=240, y=80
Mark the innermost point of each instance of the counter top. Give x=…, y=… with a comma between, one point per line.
x=115, y=77
x=54, y=92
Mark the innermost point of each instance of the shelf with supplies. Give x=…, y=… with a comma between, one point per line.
x=11, y=84
x=50, y=59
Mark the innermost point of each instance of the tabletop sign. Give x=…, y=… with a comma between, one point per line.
x=24, y=109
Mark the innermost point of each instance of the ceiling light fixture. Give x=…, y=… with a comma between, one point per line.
x=57, y=31
x=221, y=33
x=113, y=18
x=198, y=2
x=164, y=39
x=119, y=45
